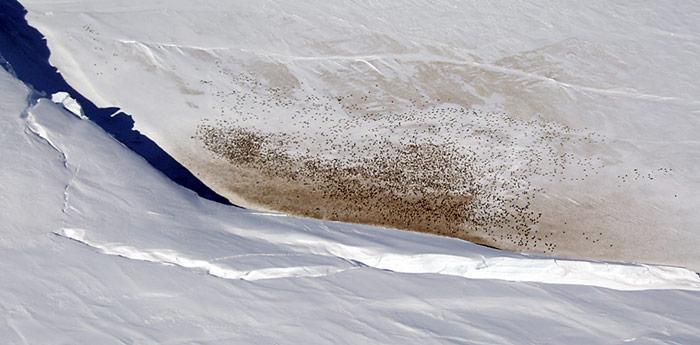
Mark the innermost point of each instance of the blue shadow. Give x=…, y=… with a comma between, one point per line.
x=24, y=52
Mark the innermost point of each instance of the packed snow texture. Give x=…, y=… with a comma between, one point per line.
x=98, y=247
x=589, y=109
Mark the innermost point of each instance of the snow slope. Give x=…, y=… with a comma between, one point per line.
x=98, y=247
x=585, y=114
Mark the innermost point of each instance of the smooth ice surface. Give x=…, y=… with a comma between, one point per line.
x=98, y=247
x=626, y=72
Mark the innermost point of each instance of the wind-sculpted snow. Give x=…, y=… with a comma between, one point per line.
x=519, y=269
x=221, y=270
x=568, y=129
x=98, y=247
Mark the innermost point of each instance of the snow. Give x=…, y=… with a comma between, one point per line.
x=623, y=74
x=549, y=271
x=98, y=247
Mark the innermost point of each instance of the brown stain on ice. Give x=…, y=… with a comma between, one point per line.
x=414, y=186
x=423, y=181
x=385, y=191
x=419, y=185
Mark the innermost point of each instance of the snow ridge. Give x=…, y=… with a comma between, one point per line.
x=39, y=131
x=614, y=276
x=172, y=257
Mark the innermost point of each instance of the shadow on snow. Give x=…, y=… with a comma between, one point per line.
x=24, y=52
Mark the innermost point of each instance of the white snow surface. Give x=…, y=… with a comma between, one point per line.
x=626, y=71
x=97, y=247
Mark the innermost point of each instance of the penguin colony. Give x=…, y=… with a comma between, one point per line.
x=418, y=164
